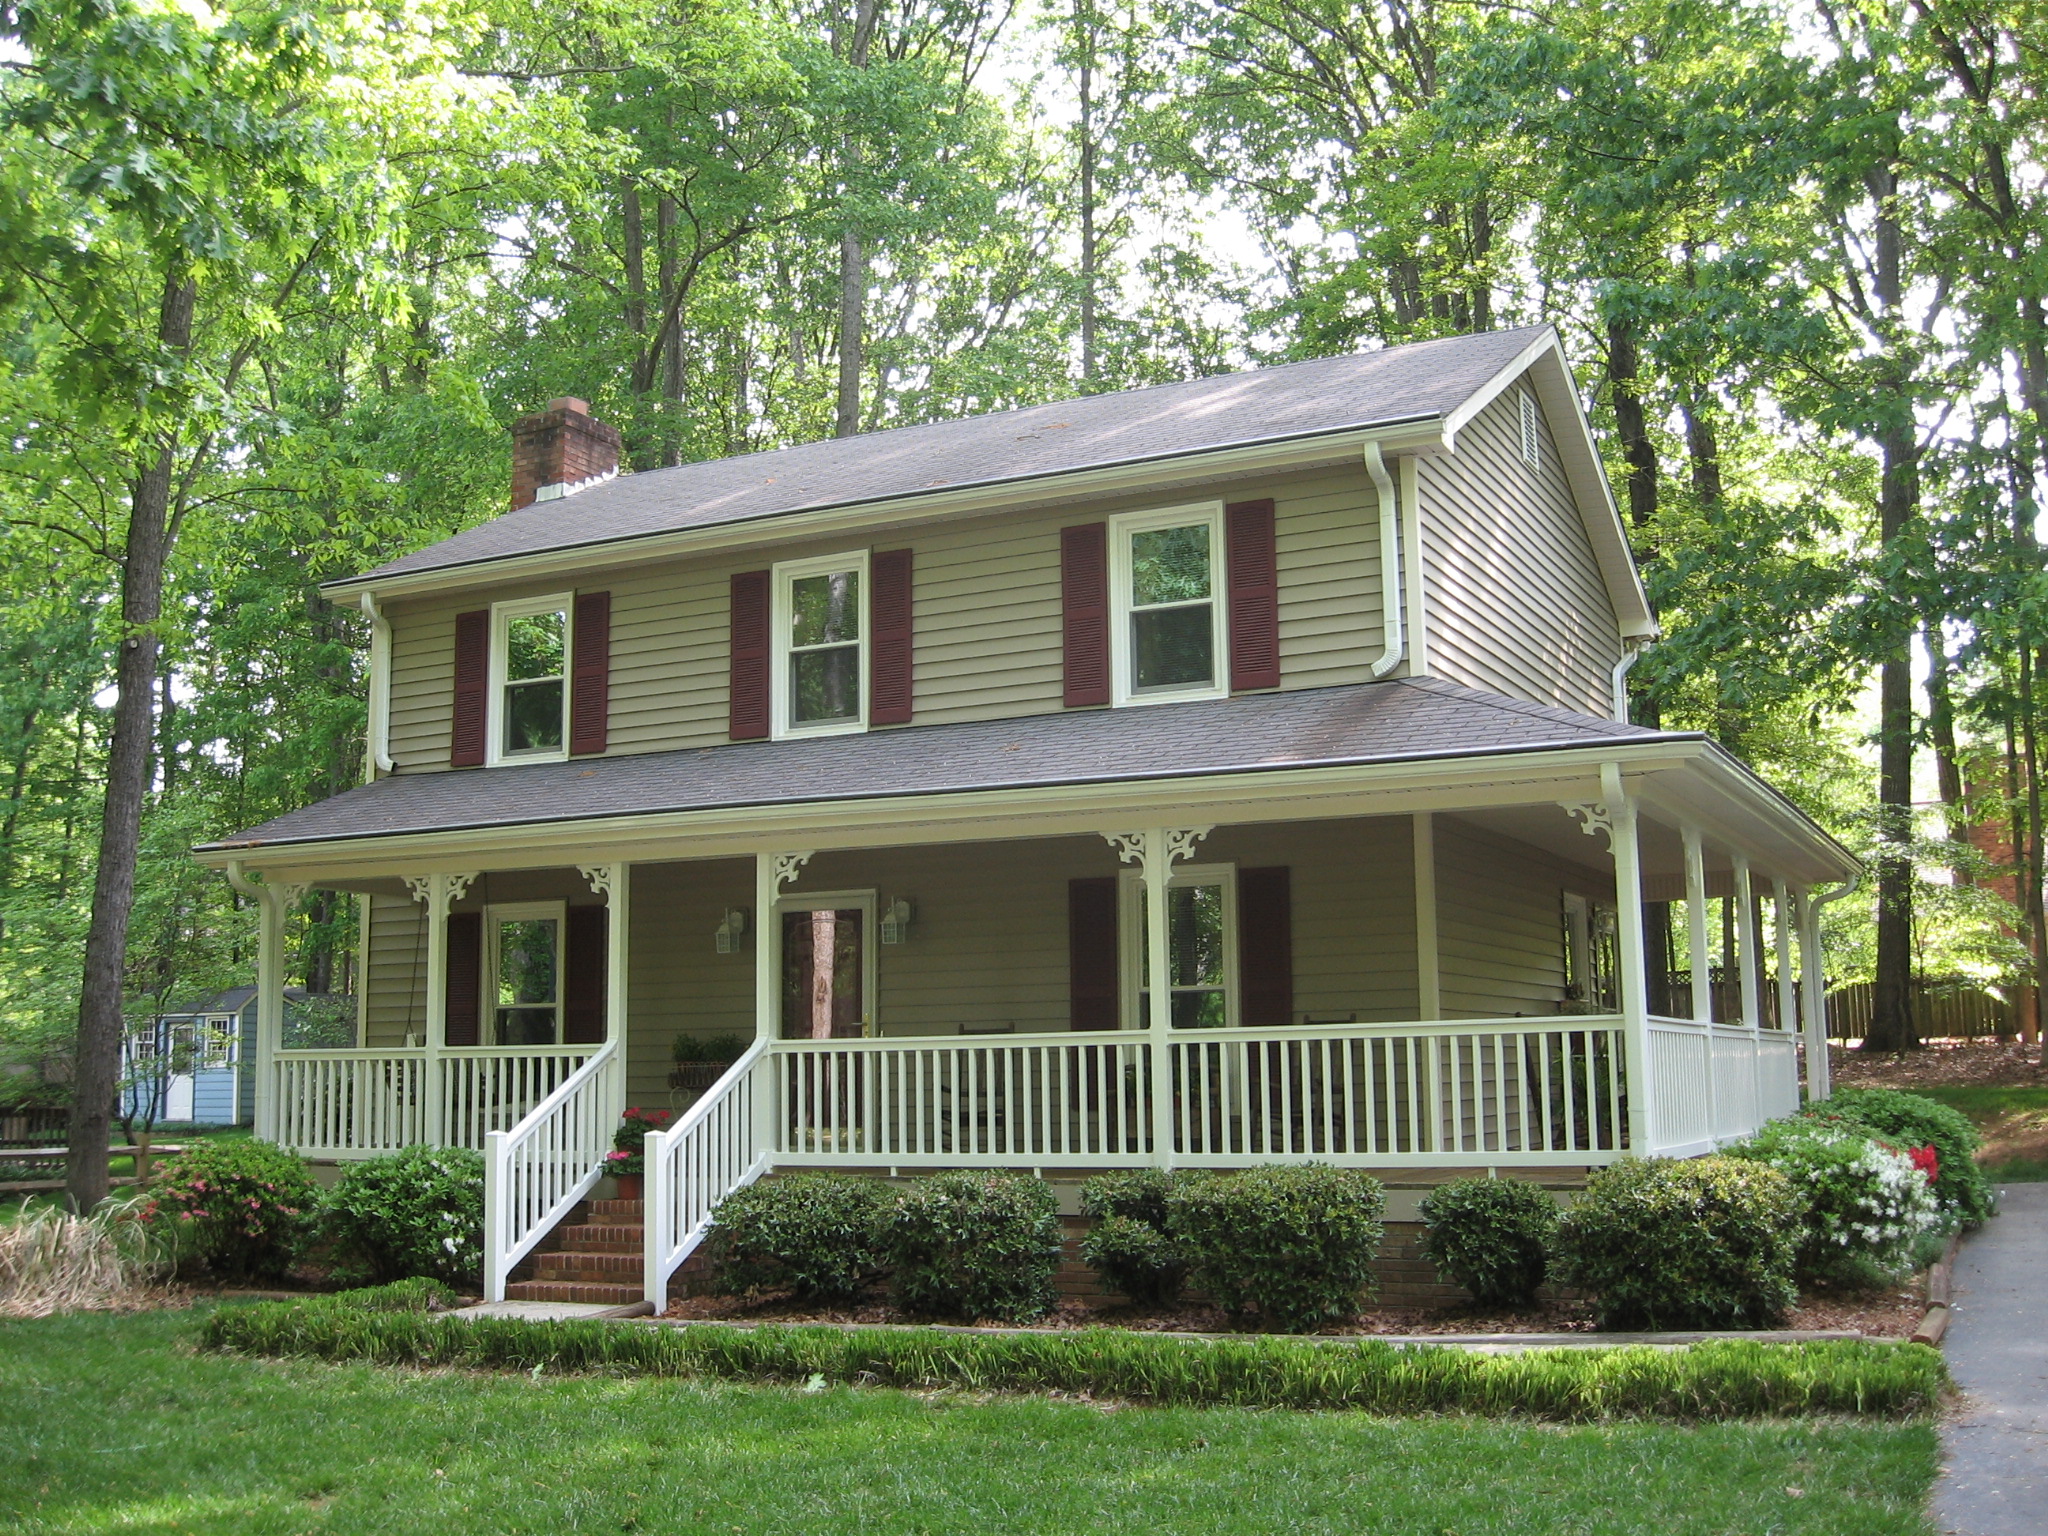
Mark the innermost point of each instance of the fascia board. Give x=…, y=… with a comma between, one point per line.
x=1475, y=782
x=1544, y=361
x=1732, y=807
x=1418, y=435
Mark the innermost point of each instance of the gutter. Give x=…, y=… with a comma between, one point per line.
x=1617, y=680
x=1393, y=645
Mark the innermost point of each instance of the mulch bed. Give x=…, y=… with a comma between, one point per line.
x=1939, y=1064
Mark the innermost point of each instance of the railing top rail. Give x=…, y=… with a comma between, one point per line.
x=456, y=1052
x=494, y=1052
x=565, y=1091
x=1277, y=1034
x=351, y=1052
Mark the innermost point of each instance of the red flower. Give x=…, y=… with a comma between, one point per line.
x=1926, y=1160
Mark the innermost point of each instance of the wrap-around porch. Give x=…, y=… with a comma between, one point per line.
x=1556, y=973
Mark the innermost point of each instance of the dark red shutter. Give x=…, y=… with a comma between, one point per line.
x=1091, y=952
x=583, y=972
x=1254, y=595
x=889, y=638
x=1265, y=948
x=472, y=685
x=590, y=683
x=748, y=704
x=465, y=978
x=1084, y=599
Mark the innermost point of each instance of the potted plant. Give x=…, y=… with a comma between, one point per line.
x=627, y=1161
x=701, y=1062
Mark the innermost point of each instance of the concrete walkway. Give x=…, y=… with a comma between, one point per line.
x=1995, y=1478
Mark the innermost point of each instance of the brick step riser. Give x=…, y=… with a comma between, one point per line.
x=587, y=1292
x=603, y=1266
x=599, y=1239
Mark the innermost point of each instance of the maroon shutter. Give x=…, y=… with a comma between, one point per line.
x=1091, y=952
x=465, y=978
x=1265, y=948
x=1254, y=595
x=472, y=684
x=1084, y=597
x=583, y=968
x=889, y=638
x=590, y=683
x=748, y=705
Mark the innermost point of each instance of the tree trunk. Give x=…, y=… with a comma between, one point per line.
x=1085, y=22
x=97, y=1067
x=1941, y=726
x=853, y=259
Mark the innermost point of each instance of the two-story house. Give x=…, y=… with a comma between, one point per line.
x=882, y=751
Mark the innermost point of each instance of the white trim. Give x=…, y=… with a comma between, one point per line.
x=1392, y=646
x=1429, y=982
x=1130, y=943
x=781, y=616
x=377, y=724
x=1121, y=530
x=826, y=901
x=519, y=912
x=1414, y=569
x=502, y=614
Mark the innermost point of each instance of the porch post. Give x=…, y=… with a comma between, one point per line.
x=1635, y=965
x=614, y=883
x=1155, y=851
x=1745, y=945
x=1697, y=940
x=1814, y=982
x=1781, y=934
x=1428, y=969
x=271, y=902
x=439, y=891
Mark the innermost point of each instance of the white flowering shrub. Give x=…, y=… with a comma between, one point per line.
x=413, y=1214
x=1867, y=1203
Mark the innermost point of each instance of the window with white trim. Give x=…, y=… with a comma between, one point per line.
x=1201, y=938
x=827, y=944
x=524, y=957
x=529, y=680
x=821, y=646
x=1167, y=610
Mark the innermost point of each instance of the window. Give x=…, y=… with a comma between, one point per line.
x=1166, y=630
x=820, y=676
x=1201, y=937
x=529, y=663
x=525, y=958
x=1592, y=957
x=828, y=965
x=1532, y=428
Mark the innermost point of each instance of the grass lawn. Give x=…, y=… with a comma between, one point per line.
x=2013, y=1121
x=114, y=1424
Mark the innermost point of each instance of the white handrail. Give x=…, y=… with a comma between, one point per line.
x=720, y=1145
x=536, y=1171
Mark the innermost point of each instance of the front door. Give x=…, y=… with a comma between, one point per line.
x=824, y=976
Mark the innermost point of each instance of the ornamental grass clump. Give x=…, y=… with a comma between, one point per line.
x=52, y=1261
x=415, y=1213
x=238, y=1208
x=1708, y=1242
x=1293, y=1243
x=1866, y=1204
x=1128, y=1245
x=1492, y=1236
x=818, y=1235
x=1909, y=1121
x=975, y=1245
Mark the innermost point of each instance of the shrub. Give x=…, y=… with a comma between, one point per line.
x=1865, y=1204
x=1492, y=1236
x=1295, y=1242
x=1705, y=1243
x=1908, y=1120
x=817, y=1234
x=237, y=1207
x=416, y=1213
x=1128, y=1246
x=975, y=1245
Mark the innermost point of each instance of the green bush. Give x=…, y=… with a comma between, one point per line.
x=1705, y=1243
x=817, y=1234
x=1726, y=1379
x=1492, y=1236
x=1907, y=1120
x=1295, y=1242
x=1866, y=1205
x=1128, y=1246
x=239, y=1208
x=415, y=1213
x=418, y=1294
x=975, y=1245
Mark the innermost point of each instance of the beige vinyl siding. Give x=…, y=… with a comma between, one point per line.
x=1500, y=927
x=679, y=983
x=986, y=595
x=396, y=973
x=1515, y=600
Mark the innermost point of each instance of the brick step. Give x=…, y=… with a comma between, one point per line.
x=578, y=1291
x=606, y=1212
x=621, y=1239
x=594, y=1266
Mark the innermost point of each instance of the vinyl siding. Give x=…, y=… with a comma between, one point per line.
x=396, y=971
x=1514, y=597
x=1500, y=936
x=987, y=605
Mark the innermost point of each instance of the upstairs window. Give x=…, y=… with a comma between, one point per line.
x=530, y=698
x=1167, y=625
x=820, y=666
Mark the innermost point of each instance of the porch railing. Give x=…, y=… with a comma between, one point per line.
x=717, y=1147
x=359, y=1103
x=544, y=1163
x=1715, y=1083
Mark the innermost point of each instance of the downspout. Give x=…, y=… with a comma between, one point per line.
x=1617, y=680
x=1393, y=645
x=378, y=758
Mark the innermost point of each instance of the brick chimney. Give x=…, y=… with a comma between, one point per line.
x=559, y=451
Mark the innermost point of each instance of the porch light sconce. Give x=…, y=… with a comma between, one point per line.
x=732, y=928
x=896, y=921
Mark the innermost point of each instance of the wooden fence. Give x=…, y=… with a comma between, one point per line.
x=1942, y=1010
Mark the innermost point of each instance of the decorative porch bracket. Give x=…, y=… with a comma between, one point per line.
x=440, y=891
x=1155, y=851
x=1615, y=814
